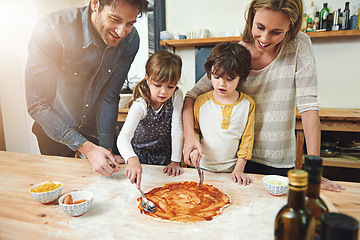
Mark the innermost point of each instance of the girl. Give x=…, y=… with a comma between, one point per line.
x=283, y=77
x=152, y=132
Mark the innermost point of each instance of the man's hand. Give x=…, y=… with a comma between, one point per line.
x=173, y=169
x=326, y=184
x=119, y=159
x=101, y=160
x=133, y=171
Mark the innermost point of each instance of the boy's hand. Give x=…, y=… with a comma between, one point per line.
x=241, y=178
x=195, y=158
x=173, y=169
x=133, y=171
x=238, y=174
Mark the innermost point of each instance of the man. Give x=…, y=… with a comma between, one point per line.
x=78, y=61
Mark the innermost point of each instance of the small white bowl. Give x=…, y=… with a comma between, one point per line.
x=77, y=210
x=276, y=185
x=47, y=197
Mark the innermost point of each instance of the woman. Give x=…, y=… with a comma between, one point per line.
x=283, y=77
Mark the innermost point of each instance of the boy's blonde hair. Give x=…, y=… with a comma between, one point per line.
x=163, y=67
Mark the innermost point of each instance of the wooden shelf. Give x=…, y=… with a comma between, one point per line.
x=198, y=41
x=214, y=41
x=334, y=34
x=342, y=161
x=331, y=119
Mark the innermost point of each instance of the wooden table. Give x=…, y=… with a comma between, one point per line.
x=114, y=213
x=331, y=119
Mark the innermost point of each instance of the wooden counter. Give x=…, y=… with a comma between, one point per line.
x=122, y=114
x=114, y=213
x=331, y=119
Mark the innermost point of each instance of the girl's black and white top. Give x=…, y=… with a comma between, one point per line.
x=154, y=136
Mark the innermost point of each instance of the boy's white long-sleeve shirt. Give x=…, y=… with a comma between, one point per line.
x=137, y=112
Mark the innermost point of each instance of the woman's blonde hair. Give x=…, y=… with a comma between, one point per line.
x=163, y=67
x=293, y=9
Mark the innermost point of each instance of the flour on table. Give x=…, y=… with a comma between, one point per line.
x=114, y=214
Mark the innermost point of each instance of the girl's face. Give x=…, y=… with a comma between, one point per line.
x=269, y=29
x=160, y=92
x=224, y=86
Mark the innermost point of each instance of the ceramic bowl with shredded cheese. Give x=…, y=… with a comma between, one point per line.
x=276, y=185
x=80, y=202
x=46, y=192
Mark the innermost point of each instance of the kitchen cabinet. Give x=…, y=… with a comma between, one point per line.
x=332, y=120
x=213, y=41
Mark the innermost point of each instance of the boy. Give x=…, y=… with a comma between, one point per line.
x=224, y=117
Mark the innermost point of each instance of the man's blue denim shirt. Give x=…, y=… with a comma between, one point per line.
x=73, y=79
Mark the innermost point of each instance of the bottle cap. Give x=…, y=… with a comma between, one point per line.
x=313, y=165
x=298, y=179
x=313, y=162
x=325, y=4
x=339, y=226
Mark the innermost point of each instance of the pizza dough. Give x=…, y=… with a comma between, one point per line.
x=185, y=202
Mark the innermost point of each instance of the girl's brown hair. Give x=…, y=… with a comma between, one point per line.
x=163, y=67
x=291, y=8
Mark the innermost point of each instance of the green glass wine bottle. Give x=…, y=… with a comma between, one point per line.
x=313, y=166
x=294, y=221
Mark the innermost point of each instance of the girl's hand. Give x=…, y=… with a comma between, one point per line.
x=238, y=174
x=173, y=169
x=133, y=171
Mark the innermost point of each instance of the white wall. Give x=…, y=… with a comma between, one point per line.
x=17, y=20
x=337, y=60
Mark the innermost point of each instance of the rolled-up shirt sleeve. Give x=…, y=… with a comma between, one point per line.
x=202, y=86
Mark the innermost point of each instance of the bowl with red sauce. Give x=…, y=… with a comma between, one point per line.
x=76, y=203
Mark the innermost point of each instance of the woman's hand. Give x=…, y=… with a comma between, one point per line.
x=173, y=169
x=326, y=184
x=190, y=141
x=191, y=144
x=195, y=158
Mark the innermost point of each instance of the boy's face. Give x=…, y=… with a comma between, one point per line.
x=224, y=86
